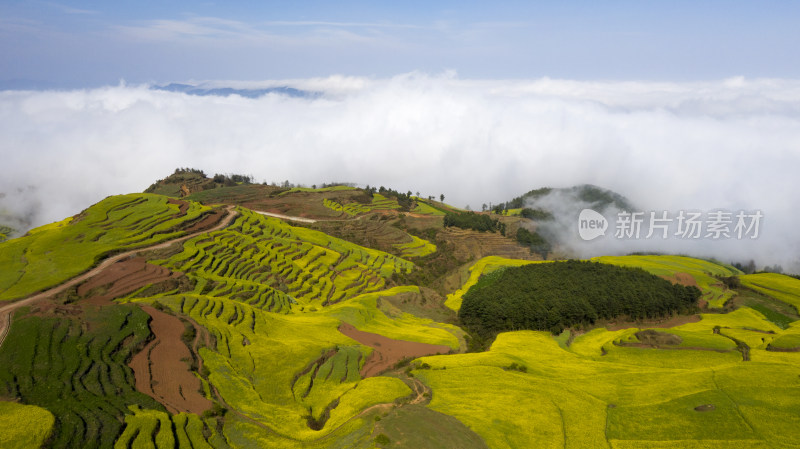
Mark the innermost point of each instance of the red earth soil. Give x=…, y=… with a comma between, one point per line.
x=684, y=279
x=123, y=277
x=386, y=351
x=208, y=221
x=182, y=205
x=161, y=368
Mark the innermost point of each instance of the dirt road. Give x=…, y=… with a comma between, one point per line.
x=286, y=217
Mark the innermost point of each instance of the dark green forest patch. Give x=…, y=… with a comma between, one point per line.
x=554, y=296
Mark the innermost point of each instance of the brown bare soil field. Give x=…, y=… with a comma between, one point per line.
x=183, y=205
x=386, y=351
x=121, y=278
x=207, y=222
x=162, y=369
x=684, y=279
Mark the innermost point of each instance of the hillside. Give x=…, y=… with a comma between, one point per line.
x=212, y=312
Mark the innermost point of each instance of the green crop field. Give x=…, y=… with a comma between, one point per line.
x=54, y=253
x=416, y=248
x=379, y=202
x=5, y=233
x=351, y=209
x=268, y=299
x=80, y=376
x=781, y=287
x=425, y=208
x=158, y=429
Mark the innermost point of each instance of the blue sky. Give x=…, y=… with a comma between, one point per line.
x=89, y=43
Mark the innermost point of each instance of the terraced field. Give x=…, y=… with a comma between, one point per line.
x=77, y=372
x=271, y=265
x=424, y=208
x=416, y=248
x=267, y=307
x=378, y=232
x=5, y=232
x=781, y=287
x=475, y=245
x=379, y=202
x=50, y=255
x=157, y=429
x=272, y=296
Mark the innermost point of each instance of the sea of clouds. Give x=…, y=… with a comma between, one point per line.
x=731, y=144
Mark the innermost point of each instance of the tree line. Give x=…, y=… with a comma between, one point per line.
x=476, y=222
x=534, y=241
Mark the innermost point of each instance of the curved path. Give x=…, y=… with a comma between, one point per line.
x=286, y=217
x=418, y=388
x=8, y=309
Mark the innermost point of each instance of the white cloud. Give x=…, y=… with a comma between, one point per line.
x=727, y=144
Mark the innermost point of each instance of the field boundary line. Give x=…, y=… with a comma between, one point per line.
x=9, y=308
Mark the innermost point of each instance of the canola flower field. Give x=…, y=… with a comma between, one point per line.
x=271, y=297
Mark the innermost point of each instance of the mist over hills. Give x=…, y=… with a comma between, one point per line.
x=552, y=213
x=726, y=144
x=197, y=312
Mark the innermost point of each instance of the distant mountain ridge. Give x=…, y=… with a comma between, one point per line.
x=201, y=90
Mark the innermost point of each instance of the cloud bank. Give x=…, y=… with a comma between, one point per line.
x=730, y=144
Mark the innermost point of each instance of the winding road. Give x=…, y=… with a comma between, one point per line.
x=8, y=309
x=419, y=389
x=286, y=217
